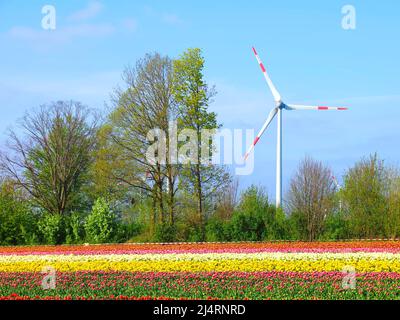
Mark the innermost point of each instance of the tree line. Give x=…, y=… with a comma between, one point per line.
x=72, y=175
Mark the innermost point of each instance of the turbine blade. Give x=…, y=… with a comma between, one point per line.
x=335, y=181
x=275, y=93
x=301, y=107
x=264, y=127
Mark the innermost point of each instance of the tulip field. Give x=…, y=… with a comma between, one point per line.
x=276, y=270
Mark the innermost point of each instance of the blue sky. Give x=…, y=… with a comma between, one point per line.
x=310, y=58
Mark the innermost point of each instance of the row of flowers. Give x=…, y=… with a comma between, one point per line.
x=221, y=285
x=354, y=246
x=207, y=262
x=295, y=270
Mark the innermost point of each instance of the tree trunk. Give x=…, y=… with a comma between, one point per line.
x=200, y=199
x=153, y=217
x=171, y=201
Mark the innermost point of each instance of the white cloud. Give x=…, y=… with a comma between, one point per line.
x=40, y=37
x=130, y=24
x=377, y=99
x=75, y=28
x=242, y=105
x=92, y=10
x=165, y=17
x=149, y=10
x=90, y=88
x=171, y=19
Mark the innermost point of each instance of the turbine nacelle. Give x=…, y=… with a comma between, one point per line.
x=283, y=105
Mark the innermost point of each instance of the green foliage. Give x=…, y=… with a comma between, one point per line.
x=245, y=227
x=17, y=222
x=107, y=161
x=311, y=194
x=254, y=220
x=292, y=231
x=74, y=228
x=364, y=194
x=53, y=153
x=127, y=231
x=282, y=228
x=392, y=218
x=193, y=96
x=191, y=91
x=336, y=227
x=196, y=233
x=73, y=161
x=51, y=228
x=299, y=223
x=218, y=230
x=101, y=224
x=165, y=233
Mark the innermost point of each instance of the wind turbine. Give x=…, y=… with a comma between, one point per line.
x=335, y=181
x=339, y=187
x=279, y=107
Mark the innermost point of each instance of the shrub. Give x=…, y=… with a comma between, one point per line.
x=51, y=228
x=247, y=227
x=253, y=220
x=74, y=228
x=364, y=193
x=195, y=233
x=101, y=224
x=127, y=231
x=299, y=225
x=17, y=226
x=218, y=230
x=17, y=220
x=278, y=226
x=336, y=227
x=165, y=233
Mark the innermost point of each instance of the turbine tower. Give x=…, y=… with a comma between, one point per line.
x=279, y=107
x=338, y=187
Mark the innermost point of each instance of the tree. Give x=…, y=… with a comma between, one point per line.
x=392, y=221
x=101, y=224
x=310, y=197
x=51, y=228
x=145, y=106
x=17, y=221
x=253, y=219
x=101, y=171
x=193, y=96
x=365, y=186
x=52, y=157
x=227, y=200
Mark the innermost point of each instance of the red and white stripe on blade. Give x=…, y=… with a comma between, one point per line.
x=275, y=93
x=264, y=127
x=300, y=107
